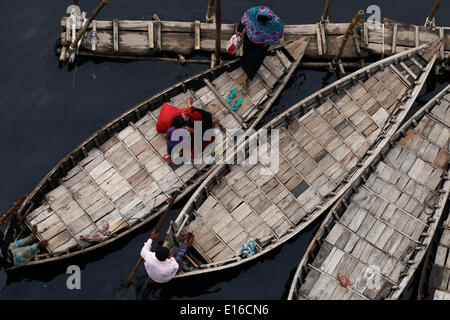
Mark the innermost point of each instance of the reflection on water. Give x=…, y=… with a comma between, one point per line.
x=47, y=111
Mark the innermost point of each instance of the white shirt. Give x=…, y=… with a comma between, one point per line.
x=158, y=271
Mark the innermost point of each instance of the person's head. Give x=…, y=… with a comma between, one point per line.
x=186, y=113
x=161, y=253
x=192, y=117
x=178, y=122
x=263, y=19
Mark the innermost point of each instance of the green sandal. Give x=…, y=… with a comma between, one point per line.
x=231, y=95
x=235, y=106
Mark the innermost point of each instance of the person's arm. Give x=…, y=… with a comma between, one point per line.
x=240, y=29
x=175, y=266
x=189, y=102
x=145, y=251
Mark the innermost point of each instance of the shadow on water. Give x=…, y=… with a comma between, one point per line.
x=48, y=110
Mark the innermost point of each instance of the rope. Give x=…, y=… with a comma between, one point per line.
x=344, y=281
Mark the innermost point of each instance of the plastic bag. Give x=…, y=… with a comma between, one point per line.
x=249, y=248
x=234, y=44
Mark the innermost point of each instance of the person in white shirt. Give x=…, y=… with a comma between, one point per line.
x=161, y=266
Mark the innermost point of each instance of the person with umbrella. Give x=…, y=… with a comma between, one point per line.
x=261, y=27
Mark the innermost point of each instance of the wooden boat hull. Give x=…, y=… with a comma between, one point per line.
x=395, y=243
x=434, y=279
x=152, y=38
x=213, y=218
x=118, y=176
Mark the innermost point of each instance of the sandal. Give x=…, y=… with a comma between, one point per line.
x=167, y=158
x=231, y=95
x=235, y=106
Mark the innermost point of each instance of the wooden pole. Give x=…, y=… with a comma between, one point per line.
x=86, y=26
x=350, y=28
x=209, y=12
x=218, y=31
x=14, y=208
x=326, y=10
x=430, y=19
x=158, y=226
x=137, y=58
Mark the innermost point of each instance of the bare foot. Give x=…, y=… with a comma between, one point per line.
x=245, y=83
x=190, y=100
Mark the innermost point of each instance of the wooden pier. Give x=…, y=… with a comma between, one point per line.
x=138, y=39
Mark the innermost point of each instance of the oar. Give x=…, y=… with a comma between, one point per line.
x=14, y=208
x=158, y=226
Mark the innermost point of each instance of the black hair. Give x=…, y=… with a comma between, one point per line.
x=162, y=253
x=262, y=19
x=178, y=122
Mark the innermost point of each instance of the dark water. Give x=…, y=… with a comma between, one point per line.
x=47, y=111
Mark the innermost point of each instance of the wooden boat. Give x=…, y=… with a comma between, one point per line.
x=326, y=141
x=378, y=232
x=118, y=176
x=434, y=282
x=134, y=39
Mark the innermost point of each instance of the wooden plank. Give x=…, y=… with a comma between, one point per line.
x=271, y=65
x=284, y=60
x=322, y=27
x=197, y=35
x=394, y=39
x=158, y=35
x=400, y=75
x=151, y=43
x=416, y=36
x=319, y=40
x=94, y=28
x=116, y=34
x=408, y=70
x=366, y=34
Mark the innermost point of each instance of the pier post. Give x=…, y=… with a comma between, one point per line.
x=336, y=60
x=218, y=31
x=209, y=12
x=326, y=10
x=80, y=33
x=430, y=21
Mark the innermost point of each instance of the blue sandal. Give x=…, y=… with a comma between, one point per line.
x=231, y=95
x=235, y=106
